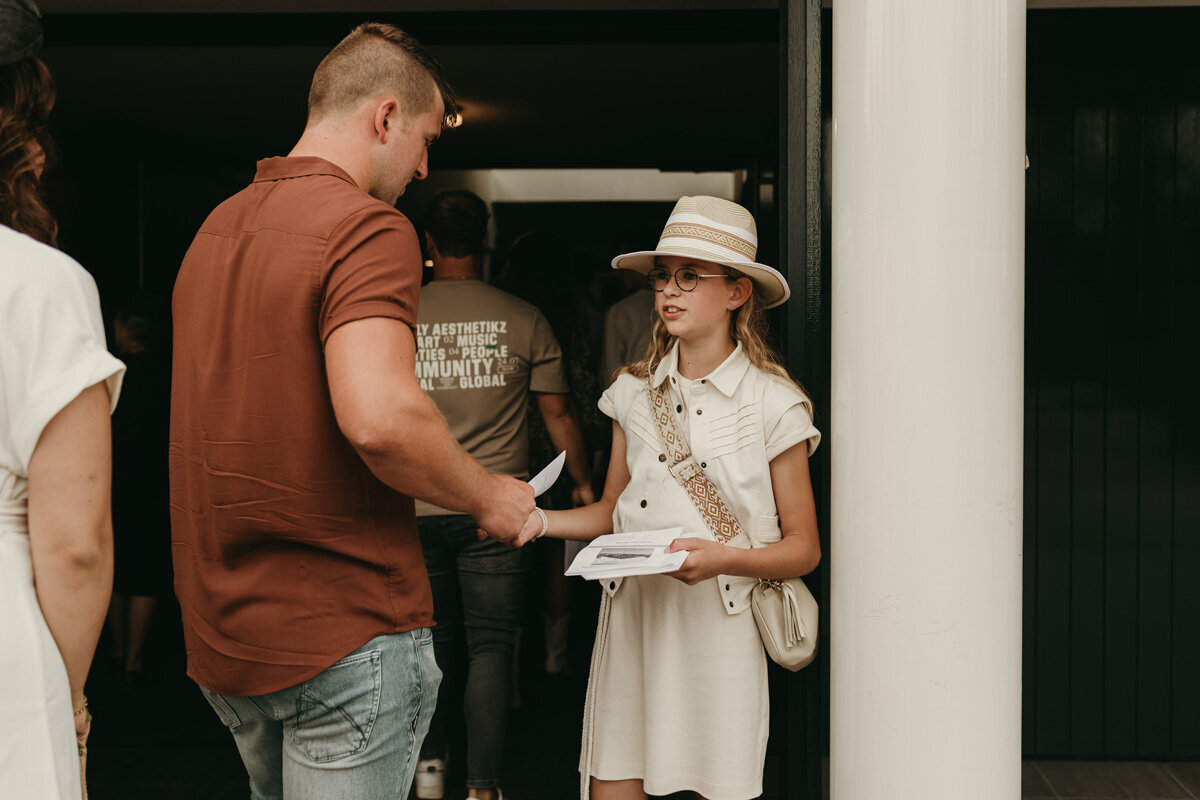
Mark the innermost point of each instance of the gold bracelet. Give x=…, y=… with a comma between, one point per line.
x=82, y=708
x=545, y=524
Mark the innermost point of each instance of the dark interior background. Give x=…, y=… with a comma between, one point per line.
x=162, y=116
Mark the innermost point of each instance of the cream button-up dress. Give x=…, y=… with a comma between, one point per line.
x=51, y=349
x=678, y=692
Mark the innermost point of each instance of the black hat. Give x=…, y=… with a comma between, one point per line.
x=20, y=30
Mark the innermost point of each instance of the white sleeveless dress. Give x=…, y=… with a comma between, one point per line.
x=51, y=349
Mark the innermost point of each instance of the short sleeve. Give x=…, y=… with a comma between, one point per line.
x=606, y=404
x=616, y=400
x=545, y=359
x=372, y=268
x=788, y=419
x=52, y=346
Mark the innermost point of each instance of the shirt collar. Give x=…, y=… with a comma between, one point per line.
x=283, y=167
x=726, y=377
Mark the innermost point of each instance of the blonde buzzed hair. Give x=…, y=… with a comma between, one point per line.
x=376, y=57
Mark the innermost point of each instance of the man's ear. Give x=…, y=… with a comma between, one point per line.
x=739, y=293
x=430, y=245
x=387, y=117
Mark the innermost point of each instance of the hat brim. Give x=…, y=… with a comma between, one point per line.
x=770, y=282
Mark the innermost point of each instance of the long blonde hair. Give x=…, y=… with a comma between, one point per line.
x=747, y=325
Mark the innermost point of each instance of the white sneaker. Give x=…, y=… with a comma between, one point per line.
x=431, y=778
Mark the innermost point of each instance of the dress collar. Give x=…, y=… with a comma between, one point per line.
x=726, y=377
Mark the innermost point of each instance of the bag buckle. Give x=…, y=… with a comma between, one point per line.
x=685, y=470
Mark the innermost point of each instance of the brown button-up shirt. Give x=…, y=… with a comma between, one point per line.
x=289, y=553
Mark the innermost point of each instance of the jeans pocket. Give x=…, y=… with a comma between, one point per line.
x=337, y=709
x=225, y=712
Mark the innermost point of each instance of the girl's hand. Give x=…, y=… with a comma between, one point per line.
x=705, y=559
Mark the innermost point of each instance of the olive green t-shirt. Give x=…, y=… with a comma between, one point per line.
x=480, y=352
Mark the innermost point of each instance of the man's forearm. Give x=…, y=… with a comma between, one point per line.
x=396, y=429
x=421, y=459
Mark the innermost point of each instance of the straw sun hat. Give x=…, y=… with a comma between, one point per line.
x=714, y=230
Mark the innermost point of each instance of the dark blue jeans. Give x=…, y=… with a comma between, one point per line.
x=478, y=589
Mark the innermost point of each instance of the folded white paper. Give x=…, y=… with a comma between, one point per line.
x=618, y=555
x=546, y=478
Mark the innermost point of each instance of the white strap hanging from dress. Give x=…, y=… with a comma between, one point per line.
x=589, y=705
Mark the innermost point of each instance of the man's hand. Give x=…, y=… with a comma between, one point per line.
x=582, y=495
x=705, y=559
x=532, y=527
x=506, y=510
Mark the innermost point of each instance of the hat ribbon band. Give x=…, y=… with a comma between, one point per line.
x=686, y=230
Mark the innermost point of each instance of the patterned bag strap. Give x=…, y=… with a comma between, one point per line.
x=699, y=487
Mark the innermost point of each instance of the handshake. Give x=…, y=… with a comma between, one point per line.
x=509, y=513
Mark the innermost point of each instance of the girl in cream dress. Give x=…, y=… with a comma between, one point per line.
x=677, y=697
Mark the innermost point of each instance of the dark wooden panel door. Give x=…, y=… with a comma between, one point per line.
x=1112, y=487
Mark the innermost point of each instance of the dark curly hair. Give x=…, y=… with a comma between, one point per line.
x=26, y=97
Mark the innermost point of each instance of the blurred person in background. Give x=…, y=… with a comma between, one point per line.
x=482, y=353
x=545, y=271
x=141, y=518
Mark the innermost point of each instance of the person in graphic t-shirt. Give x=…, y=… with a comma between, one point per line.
x=481, y=354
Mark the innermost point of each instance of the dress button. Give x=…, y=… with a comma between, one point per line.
x=699, y=411
x=731, y=604
x=703, y=465
x=643, y=504
x=662, y=457
x=612, y=584
x=704, y=381
x=679, y=409
x=727, y=587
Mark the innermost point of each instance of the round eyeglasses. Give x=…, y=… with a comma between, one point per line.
x=686, y=279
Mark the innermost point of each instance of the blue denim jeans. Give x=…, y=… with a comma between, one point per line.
x=478, y=588
x=352, y=732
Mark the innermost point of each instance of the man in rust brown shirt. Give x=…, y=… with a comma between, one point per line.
x=300, y=436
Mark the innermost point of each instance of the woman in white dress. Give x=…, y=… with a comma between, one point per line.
x=58, y=385
x=677, y=698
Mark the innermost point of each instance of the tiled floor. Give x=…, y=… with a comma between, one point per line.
x=1093, y=780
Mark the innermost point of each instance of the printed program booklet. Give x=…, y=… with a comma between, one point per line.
x=617, y=555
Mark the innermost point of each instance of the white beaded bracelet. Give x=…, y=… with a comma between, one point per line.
x=545, y=524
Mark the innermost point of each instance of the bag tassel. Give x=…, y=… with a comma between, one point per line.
x=791, y=617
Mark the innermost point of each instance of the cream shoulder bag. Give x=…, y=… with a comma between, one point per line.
x=785, y=611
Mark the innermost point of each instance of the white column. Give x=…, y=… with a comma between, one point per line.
x=927, y=289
